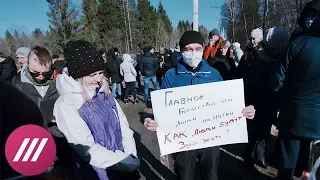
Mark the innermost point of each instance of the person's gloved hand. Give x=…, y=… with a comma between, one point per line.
x=129, y=164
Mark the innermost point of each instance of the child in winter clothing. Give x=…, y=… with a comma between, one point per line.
x=91, y=120
x=129, y=73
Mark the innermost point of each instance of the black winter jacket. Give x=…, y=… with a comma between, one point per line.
x=149, y=65
x=8, y=69
x=46, y=103
x=298, y=79
x=16, y=110
x=225, y=66
x=29, y=90
x=113, y=66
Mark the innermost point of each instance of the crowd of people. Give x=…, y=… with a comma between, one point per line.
x=76, y=97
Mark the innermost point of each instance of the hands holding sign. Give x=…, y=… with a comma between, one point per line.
x=191, y=117
x=152, y=125
x=249, y=112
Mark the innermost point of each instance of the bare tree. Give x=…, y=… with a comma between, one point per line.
x=125, y=24
x=289, y=12
x=129, y=23
x=233, y=11
x=245, y=21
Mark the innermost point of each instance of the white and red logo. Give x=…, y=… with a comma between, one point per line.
x=30, y=150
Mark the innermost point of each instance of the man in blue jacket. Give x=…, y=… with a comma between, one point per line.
x=298, y=80
x=191, y=70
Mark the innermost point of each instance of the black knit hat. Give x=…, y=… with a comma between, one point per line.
x=214, y=32
x=189, y=37
x=82, y=59
x=146, y=49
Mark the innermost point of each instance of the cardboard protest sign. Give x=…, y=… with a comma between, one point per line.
x=200, y=116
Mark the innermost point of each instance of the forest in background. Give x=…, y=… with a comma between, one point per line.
x=129, y=25
x=132, y=25
x=239, y=17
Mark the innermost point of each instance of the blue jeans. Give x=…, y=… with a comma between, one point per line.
x=146, y=80
x=116, y=87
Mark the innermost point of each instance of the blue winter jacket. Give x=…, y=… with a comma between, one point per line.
x=298, y=80
x=181, y=76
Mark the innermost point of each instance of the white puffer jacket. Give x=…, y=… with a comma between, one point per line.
x=127, y=70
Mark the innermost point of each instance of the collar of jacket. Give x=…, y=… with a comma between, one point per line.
x=201, y=70
x=6, y=60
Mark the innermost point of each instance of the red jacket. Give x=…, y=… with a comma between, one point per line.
x=211, y=51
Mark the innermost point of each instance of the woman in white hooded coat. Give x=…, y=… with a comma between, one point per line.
x=129, y=73
x=91, y=120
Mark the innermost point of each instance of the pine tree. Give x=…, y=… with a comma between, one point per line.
x=25, y=40
x=16, y=34
x=180, y=27
x=64, y=23
x=134, y=25
x=148, y=22
x=37, y=33
x=165, y=18
x=90, y=21
x=164, y=28
x=39, y=37
x=111, y=23
x=12, y=43
x=204, y=31
x=187, y=26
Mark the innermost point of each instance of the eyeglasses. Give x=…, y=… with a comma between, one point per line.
x=46, y=75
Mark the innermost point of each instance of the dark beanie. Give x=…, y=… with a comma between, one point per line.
x=146, y=49
x=190, y=37
x=82, y=59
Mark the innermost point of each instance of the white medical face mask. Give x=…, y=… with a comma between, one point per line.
x=192, y=58
x=309, y=21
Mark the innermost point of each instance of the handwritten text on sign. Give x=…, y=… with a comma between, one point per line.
x=200, y=116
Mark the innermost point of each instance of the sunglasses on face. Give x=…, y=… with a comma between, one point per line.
x=44, y=74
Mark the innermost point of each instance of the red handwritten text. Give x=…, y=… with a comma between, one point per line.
x=231, y=121
x=187, y=146
x=167, y=137
x=201, y=131
x=211, y=139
